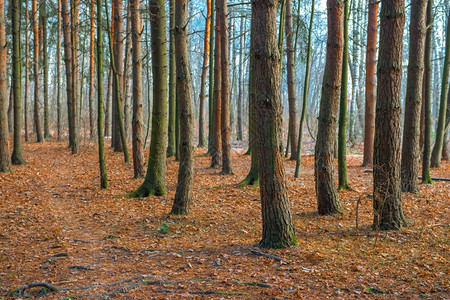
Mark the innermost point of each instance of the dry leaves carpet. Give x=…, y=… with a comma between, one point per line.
x=58, y=227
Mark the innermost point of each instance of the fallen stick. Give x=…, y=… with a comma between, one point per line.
x=266, y=255
x=419, y=177
x=22, y=289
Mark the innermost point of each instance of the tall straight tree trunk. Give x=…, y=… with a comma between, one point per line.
x=278, y=229
x=37, y=121
x=413, y=101
x=371, y=82
x=327, y=197
x=154, y=182
x=16, y=83
x=305, y=93
x=240, y=99
x=101, y=140
x=107, y=104
x=171, y=149
x=126, y=71
x=58, y=73
x=387, y=195
x=138, y=126
x=118, y=58
x=217, y=107
x=5, y=159
x=201, y=118
x=91, y=72
x=27, y=65
x=74, y=82
x=183, y=196
x=343, y=103
x=222, y=14
x=290, y=54
x=426, y=176
x=43, y=29
x=211, y=83
x=68, y=63
x=436, y=155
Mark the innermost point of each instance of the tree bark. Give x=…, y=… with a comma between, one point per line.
x=16, y=82
x=371, y=82
x=43, y=29
x=138, y=126
x=118, y=58
x=183, y=196
x=5, y=159
x=387, y=196
x=278, y=229
x=27, y=65
x=413, y=101
x=91, y=73
x=69, y=71
x=154, y=182
x=171, y=133
x=327, y=197
x=37, y=121
x=58, y=74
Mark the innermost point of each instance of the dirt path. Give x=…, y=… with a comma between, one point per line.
x=57, y=226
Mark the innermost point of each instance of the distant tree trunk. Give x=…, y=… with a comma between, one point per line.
x=291, y=81
x=241, y=81
x=138, y=126
x=5, y=159
x=101, y=141
x=37, y=122
x=327, y=197
x=154, y=182
x=91, y=73
x=68, y=63
x=118, y=58
x=436, y=155
x=222, y=14
x=371, y=83
x=305, y=93
x=217, y=107
x=126, y=71
x=74, y=78
x=58, y=73
x=278, y=229
x=107, y=104
x=43, y=29
x=413, y=102
x=183, y=196
x=387, y=195
x=27, y=65
x=16, y=83
x=201, y=125
x=211, y=84
x=171, y=148
x=343, y=103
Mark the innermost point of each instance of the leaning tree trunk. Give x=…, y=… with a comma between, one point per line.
x=278, y=229
x=371, y=82
x=171, y=133
x=16, y=81
x=101, y=140
x=154, y=182
x=5, y=159
x=201, y=117
x=290, y=54
x=37, y=121
x=138, y=126
x=183, y=195
x=327, y=197
x=436, y=155
x=222, y=14
x=413, y=101
x=387, y=196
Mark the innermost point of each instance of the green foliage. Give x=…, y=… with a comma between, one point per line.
x=164, y=228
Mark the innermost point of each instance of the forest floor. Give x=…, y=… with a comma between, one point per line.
x=58, y=227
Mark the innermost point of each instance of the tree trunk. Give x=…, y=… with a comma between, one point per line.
x=183, y=194
x=68, y=63
x=43, y=29
x=5, y=159
x=291, y=81
x=413, y=101
x=171, y=149
x=387, y=196
x=37, y=122
x=216, y=145
x=27, y=65
x=91, y=73
x=108, y=107
x=343, y=103
x=75, y=74
x=58, y=73
x=222, y=14
x=241, y=80
x=211, y=84
x=138, y=127
x=436, y=155
x=118, y=58
x=16, y=83
x=154, y=183
x=371, y=82
x=278, y=229
x=327, y=197
x=201, y=118
x=126, y=80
